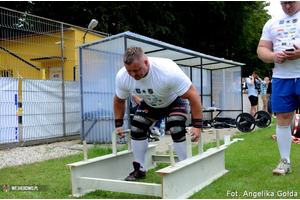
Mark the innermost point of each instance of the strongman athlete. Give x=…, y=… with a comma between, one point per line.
x=166, y=91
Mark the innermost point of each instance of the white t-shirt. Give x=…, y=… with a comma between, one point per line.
x=162, y=85
x=284, y=31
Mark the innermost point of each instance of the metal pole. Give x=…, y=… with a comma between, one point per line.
x=85, y=156
x=172, y=160
x=242, y=95
x=81, y=94
x=188, y=144
x=201, y=63
x=63, y=79
x=128, y=100
x=218, y=139
x=200, y=143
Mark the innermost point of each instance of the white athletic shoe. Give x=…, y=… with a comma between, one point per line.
x=155, y=132
x=283, y=168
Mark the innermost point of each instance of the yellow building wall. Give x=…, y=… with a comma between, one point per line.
x=39, y=46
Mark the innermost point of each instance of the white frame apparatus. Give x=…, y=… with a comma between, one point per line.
x=180, y=180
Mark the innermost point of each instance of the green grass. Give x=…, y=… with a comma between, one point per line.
x=250, y=164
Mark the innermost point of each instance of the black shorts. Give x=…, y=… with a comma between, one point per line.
x=253, y=100
x=178, y=105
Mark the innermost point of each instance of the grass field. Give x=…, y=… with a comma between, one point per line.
x=250, y=164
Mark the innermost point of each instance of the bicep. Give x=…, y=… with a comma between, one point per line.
x=118, y=101
x=265, y=44
x=191, y=92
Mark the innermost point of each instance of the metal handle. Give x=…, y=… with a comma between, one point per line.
x=114, y=140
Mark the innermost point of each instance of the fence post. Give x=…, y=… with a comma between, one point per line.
x=63, y=79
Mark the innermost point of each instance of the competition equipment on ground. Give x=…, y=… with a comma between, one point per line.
x=178, y=180
x=245, y=122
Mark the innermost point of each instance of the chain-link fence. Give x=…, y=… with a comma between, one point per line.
x=39, y=91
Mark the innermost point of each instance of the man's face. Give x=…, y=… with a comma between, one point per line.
x=290, y=7
x=138, y=69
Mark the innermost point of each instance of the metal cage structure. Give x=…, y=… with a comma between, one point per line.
x=39, y=88
x=216, y=79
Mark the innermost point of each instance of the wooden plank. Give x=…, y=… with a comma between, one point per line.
x=201, y=185
x=97, y=159
x=179, y=181
x=114, y=141
x=85, y=157
x=188, y=145
x=184, y=163
x=200, y=144
x=218, y=139
x=191, y=175
x=115, y=167
x=172, y=159
x=150, y=189
x=163, y=158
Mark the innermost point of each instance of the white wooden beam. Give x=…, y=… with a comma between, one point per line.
x=180, y=180
x=172, y=159
x=85, y=157
x=218, y=139
x=114, y=141
x=150, y=189
x=163, y=158
x=191, y=175
x=200, y=143
x=188, y=144
x=115, y=167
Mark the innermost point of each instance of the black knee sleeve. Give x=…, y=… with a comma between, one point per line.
x=139, y=127
x=176, y=125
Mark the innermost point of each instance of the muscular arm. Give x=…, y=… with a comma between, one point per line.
x=119, y=107
x=265, y=53
x=195, y=102
x=136, y=99
x=119, y=111
x=196, y=109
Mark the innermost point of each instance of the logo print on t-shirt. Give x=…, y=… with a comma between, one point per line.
x=295, y=20
x=138, y=90
x=281, y=21
x=150, y=91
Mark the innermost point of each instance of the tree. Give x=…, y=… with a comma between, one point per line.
x=252, y=31
x=225, y=29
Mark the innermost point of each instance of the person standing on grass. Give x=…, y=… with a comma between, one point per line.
x=166, y=91
x=280, y=43
x=252, y=84
x=263, y=94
